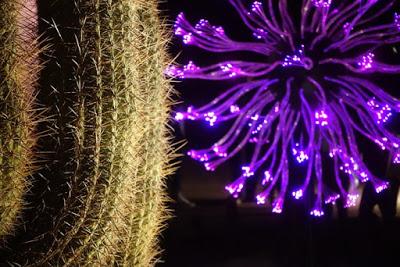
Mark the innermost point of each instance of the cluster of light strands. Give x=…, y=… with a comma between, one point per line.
x=278, y=129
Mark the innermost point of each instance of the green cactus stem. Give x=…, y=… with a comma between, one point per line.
x=100, y=199
x=19, y=68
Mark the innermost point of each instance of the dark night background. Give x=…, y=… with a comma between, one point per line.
x=211, y=229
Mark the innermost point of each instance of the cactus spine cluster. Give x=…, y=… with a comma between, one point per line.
x=19, y=67
x=100, y=198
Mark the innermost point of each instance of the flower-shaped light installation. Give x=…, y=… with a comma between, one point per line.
x=302, y=118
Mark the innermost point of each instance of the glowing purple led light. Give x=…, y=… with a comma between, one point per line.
x=247, y=171
x=397, y=20
x=202, y=157
x=366, y=61
x=179, y=116
x=231, y=70
x=298, y=59
x=236, y=187
x=209, y=167
x=317, y=212
x=322, y=3
x=179, y=31
x=188, y=38
x=298, y=194
x=351, y=200
x=277, y=206
x=267, y=178
x=220, y=151
x=174, y=71
x=381, y=186
x=321, y=118
x=396, y=159
x=260, y=34
x=234, y=109
x=211, y=118
x=382, y=112
x=381, y=143
x=309, y=118
x=256, y=6
x=332, y=199
x=190, y=67
x=300, y=154
x=261, y=199
x=202, y=24
x=350, y=166
x=364, y=177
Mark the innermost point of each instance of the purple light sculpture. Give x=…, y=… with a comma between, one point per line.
x=261, y=106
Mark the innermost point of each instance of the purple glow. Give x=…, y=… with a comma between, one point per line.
x=190, y=67
x=277, y=206
x=236, y=187
x=351, y=200
x=307, y=119
x=364, y=177
x=397, y=20
x=299, y=153
x=260, y=34
x=188, y=38
x=381, y=186
x=321, y=118
x=179, y=116
x=256, y=6
x=220, y=151
x=261, y=199
x=175, y=72
x=332, y=199
x=366, y=61
x=195, y=155
x=211, y=118
x=396, y=159
x=298, y=59
x=322, y=3
x=209, y=167
x=267, y=178
x=229, y=68
x=317, y=212
x=383, y=112
x=234, y=108
x=247, y=171
x=298, y=194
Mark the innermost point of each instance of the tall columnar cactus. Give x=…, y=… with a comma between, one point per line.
x=19, y=66
x=99, y=201
x=150, y=43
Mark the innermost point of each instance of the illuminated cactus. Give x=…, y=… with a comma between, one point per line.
x=307, y=99
x=99, y=201
x=19, y=67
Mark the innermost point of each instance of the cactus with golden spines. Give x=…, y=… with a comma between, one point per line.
x=100, y=198
x=19, y=68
